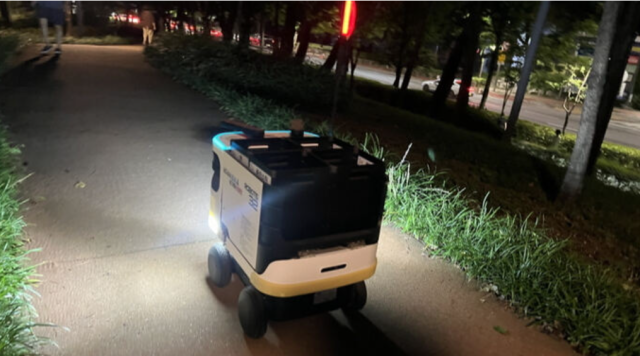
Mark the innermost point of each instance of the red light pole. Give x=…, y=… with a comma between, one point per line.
x=348, y=25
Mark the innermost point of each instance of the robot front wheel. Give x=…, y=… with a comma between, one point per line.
x=220, y=265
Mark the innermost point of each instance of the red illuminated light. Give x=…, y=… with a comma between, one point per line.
x=349, y=18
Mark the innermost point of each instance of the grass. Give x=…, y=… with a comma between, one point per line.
x=532, y=272
x=16, y=273
x=536, y=274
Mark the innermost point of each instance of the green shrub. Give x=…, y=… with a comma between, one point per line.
x=8, y=45
x=248, y=71
x=479, y=82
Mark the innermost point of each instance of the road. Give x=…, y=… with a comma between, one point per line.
x=624, y=127
x=121, y=162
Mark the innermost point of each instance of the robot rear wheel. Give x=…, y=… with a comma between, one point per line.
x=252, y=312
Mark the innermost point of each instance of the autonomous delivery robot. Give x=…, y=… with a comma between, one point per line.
x=298, y=216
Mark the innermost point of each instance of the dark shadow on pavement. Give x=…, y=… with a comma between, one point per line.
x=329, y=336
x=228, y=295
x=30, y=72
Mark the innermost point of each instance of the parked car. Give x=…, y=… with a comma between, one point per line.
x=254, y=40
x=430, y=86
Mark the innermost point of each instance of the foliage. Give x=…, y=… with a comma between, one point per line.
x=561, y=78
x=246, y=71
x=518, y=262
x=16, y=275
x=479, y=82
x=8, y=45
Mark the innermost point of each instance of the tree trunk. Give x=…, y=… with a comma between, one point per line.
x=507, y=93
x=628, y=22
x=566, y=119
x=203, y=6
x=5, y=12
x=448, y=75
x=414, y=56
x=332, y=58
x=80, y=16
x=493, y=66
x=525, y=73
x=289, y=30
x=304, y=37
x=227, y=22
x=243, y=21
x=574, y=178
x=406, y=80
x=399, y=66
x=354, y=64
x=69, y=18
x=471, y=45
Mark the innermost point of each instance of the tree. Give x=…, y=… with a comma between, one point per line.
x=332, y=57
x=574, y=178
x=312, y=13
x=507, y=21
x=421, y=11
x=471, y=41
x=628, y=24
x=451, y=67
x=288, y=31
x=5, y=13
x=575, y=86
x=526, y=68
x=511, y=75
x=227, y=13
x=69, y=18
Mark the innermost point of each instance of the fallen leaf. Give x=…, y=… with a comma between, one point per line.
x=501, y=330
x=80, y=184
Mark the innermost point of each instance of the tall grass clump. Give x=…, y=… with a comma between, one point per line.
x=536, y=274
x=16, y=274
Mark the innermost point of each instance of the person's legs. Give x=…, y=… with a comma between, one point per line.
x=150, y=36
x=145, y=35
x=58, y=38
x=44, y=25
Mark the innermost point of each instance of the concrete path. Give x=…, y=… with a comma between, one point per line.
x=124, y=257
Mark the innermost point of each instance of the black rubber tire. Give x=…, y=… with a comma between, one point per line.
x=220, y=265
x=426, y=88
x=357, y=297
x=252, y=313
